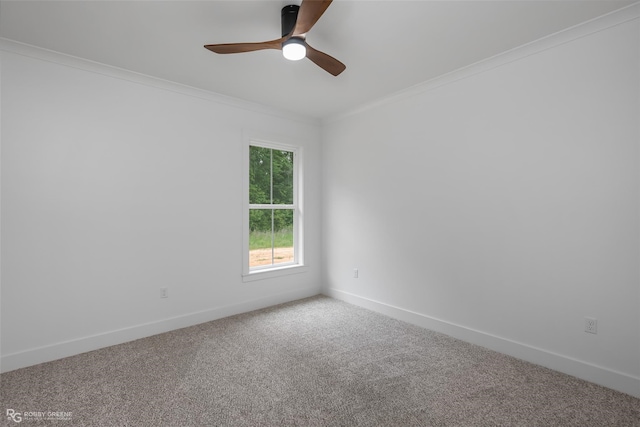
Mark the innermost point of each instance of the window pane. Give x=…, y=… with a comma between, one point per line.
x=260, y=237
x=282, y=177
x=283, y=236
x=270, y=245
x=259, y=175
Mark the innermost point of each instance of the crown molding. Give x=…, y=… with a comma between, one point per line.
x=31, y=51
x=609, y=20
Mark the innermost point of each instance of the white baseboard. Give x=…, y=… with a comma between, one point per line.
x=577, y=368
x=64, y=349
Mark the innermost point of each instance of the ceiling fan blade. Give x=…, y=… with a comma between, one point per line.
x=245, y=47
x=324, y=61
x=308, y=14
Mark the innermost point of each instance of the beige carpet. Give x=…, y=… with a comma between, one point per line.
x=314, y=362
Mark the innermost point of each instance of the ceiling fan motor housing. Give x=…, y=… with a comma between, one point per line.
x=289, y=16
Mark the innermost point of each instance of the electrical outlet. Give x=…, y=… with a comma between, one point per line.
x=355, y=273
x=164, y=292
x=591, y=325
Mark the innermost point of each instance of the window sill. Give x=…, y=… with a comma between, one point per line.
x=274, y=272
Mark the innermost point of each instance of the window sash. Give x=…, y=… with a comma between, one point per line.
x=282, y=249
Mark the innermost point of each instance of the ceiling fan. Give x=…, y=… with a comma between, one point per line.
x=296, y=22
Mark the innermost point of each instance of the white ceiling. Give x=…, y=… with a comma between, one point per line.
x=387, y=46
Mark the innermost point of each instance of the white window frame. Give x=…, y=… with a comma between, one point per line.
x=297, y=266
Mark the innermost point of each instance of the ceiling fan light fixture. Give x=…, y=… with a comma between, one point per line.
x=294, y=49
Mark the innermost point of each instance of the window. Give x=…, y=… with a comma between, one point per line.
x=272, y=215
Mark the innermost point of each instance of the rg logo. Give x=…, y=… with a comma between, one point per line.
x=13, y=415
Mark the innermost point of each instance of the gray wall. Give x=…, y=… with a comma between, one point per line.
x=115, y=185
x=500, y=204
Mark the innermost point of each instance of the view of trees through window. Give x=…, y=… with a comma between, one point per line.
x=271, y=206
